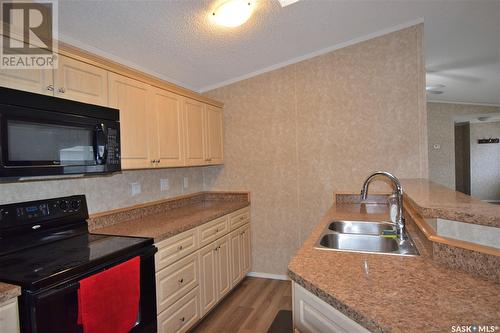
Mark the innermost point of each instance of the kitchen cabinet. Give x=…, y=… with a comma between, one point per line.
x=72, y=79
x=189, y=292
x=313, y=315
x=79, y=81
x=176, y=280
x=214, y=148
x=194, y=132
x=214, y=268
x=168, y=132
x=9, y=316
x=181, y=316
x=170, y=127
x=131, y=97
x=208, y=280
x=236, y=266
x=223, y=267
x=246, y=249
x=240, y=245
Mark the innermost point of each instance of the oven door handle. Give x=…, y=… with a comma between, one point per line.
x=65, y=289
x=100, y=144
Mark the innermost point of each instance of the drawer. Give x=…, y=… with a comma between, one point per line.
x=174, y=248
x=212, y=230
x=176, y=280
x=182, y=315
x=239, y=218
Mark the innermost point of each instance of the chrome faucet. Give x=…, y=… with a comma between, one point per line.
x=398, y=191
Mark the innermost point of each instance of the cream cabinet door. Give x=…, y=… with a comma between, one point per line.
x=236, y=265
x=131, y=98
x=208, y=279
x=82, y=82
x=246, y=250
x=194, y=132
x=38, y=81
x=168, y=142
x=214, y=135
x=9, y=316
x=223, y=267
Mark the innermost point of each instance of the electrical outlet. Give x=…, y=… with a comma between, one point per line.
x=186, y=183
x=135, y=188
x=164, y=185
x=436, y=146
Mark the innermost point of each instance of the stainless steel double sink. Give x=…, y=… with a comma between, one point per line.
x=364, y=237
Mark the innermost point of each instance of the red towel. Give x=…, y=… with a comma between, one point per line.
x=108, y=302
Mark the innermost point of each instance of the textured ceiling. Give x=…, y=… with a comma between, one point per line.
x=176, y=41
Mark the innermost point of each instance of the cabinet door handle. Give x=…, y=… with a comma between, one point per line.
x=50, y=87
x=62, y=90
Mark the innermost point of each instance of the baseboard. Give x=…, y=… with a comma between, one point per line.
x=268, y=276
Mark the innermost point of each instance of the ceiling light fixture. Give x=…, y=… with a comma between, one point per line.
x=233, y=13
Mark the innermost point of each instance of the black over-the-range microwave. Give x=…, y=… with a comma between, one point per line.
x=47, y=136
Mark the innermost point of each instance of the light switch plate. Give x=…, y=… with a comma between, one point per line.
x=186, y=183
x=164, y=185
x=135, y=188
x=436, y=146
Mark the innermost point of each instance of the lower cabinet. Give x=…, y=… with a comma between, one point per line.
x=313, y=315
x=182, y=315
x=240, y=253
x=193, y=276
x=9, y=316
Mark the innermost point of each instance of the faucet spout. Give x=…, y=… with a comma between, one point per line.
x=398, y=191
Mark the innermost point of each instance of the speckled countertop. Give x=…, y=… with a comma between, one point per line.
x=8, y=291
x=392, y=293
x=434, y=200
x=173, y=221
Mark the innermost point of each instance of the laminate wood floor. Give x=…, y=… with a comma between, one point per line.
x=250, y=308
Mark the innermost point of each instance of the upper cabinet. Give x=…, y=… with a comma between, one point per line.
x=161, y=125
x=131, y=97
x=38, y=81
x=194, y=132
x=81, y=82
x=167, y=133
x=214, y=152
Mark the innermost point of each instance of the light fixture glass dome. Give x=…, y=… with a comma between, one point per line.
x=233, y=13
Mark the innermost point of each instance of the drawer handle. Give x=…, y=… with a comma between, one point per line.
x=181, y=280
x=179, y=247
x=216, y=230
x=182, y=319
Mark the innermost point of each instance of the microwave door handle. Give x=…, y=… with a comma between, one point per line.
x=100, y=144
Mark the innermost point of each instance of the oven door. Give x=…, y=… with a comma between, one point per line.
x=38, y=143
x=55, y=309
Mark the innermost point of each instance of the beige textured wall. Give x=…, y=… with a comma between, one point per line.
x=485, y=162
x=441, y=129
x=297, y=134
x=107, y=192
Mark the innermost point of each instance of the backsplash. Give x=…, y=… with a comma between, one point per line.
x=108, y=192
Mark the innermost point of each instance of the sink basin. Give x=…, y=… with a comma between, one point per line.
x=360, y=243
x=360, y=227
x=335, y=241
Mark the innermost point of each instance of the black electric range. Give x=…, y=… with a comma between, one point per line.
x=45, y=248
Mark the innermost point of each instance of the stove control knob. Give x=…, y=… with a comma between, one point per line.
x=75, y=204
x=63, y=205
